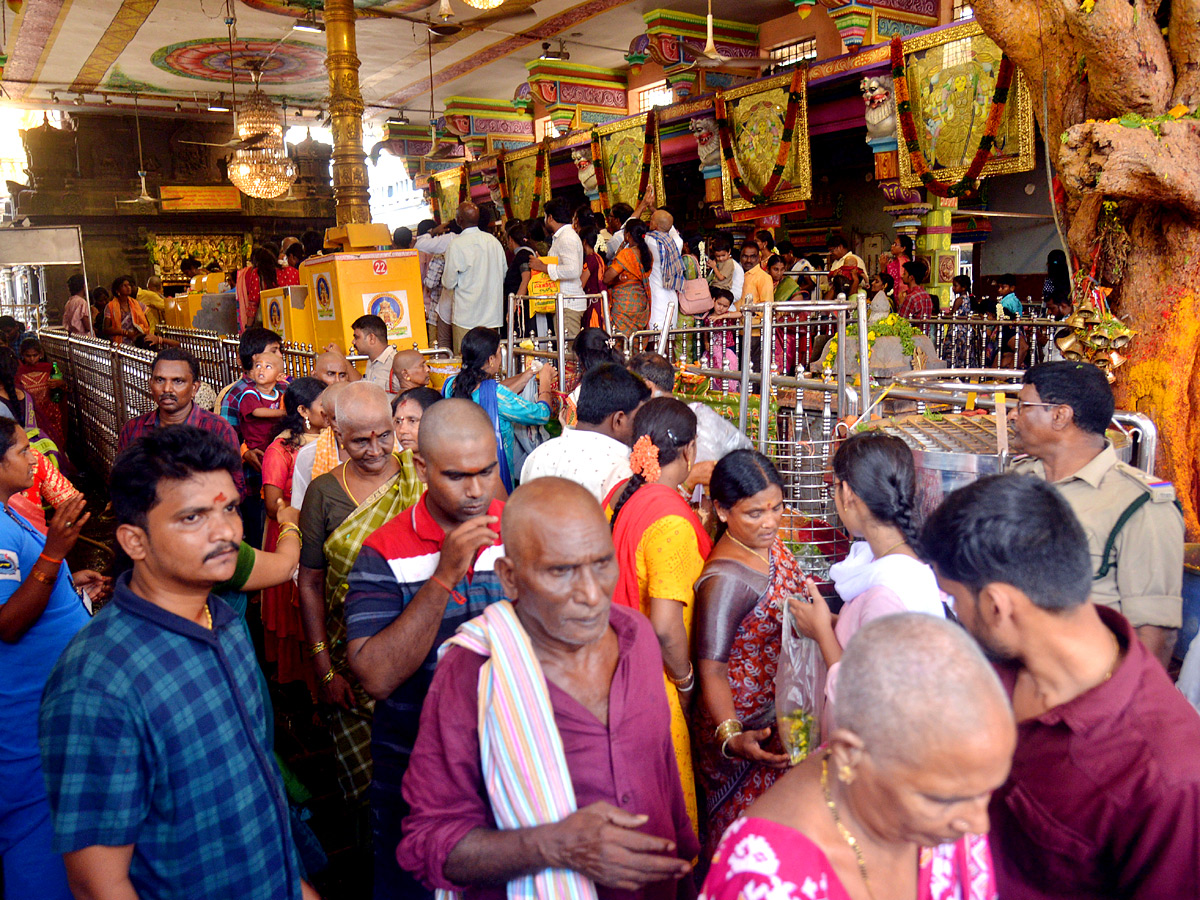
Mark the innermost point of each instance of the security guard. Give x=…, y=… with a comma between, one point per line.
x=1134, y=526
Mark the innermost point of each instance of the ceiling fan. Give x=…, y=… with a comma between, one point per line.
x=446, y=28
x=144, y=197
x=235, y=144
x=711, y=58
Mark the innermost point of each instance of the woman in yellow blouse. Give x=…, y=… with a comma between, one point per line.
x=661, y=548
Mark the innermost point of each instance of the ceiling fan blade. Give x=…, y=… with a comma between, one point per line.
x=235, y=144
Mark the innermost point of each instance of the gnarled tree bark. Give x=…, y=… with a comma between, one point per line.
x=1102, y=65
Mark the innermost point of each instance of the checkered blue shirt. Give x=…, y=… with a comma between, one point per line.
x=153, y=733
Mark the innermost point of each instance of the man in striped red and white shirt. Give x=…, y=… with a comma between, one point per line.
x=416, y=580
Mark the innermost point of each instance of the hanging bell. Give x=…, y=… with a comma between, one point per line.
x=1115, y=359
x=1068, y=344
x=1075, y=320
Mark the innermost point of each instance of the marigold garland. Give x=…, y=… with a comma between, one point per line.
x=502, y=180
x=908, y=129
x=725, y=132
x=601, y=178
x=648, y=152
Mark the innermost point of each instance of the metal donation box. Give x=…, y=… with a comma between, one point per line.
x=347, y=284
x=286, y=311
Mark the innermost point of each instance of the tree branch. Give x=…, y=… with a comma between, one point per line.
x=1133, y=163
x=1184, y=34
x=1128, y=66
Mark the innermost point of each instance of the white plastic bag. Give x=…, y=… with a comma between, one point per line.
x=799, y=691
x=716, y=437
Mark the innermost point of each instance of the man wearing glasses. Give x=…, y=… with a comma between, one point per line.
x=1133, y=524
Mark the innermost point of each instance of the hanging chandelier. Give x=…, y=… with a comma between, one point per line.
x=263, y=170
x=483, y=4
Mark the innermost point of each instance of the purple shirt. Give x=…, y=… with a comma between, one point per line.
x=1104, y=795
x=630, y=764
x=201, y=418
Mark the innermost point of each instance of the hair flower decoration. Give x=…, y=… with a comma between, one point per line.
x=643, y=459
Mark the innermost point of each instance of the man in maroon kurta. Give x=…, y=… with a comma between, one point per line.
x=1103, y=800
x=603, y=668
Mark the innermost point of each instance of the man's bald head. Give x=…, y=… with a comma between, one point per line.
x=468, y=215
x=361, y=403
x=537, y=508
x=452, y=422
x=911, y=684
x=330, y=367
x=662, y=220
x=559, y=568
x=329, y=400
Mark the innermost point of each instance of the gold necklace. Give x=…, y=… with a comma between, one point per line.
x=208, y=615
x=747, y=549
x=842, y=830
x=346, y=487
x=894, y=546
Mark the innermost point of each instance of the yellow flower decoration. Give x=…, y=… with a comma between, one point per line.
x=1087, y=6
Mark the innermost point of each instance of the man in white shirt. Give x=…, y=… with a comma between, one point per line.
x=370, y=339
x=475, y=267
x=568, y=271
x=595, y=453
x=431, y=244
x=661, y=296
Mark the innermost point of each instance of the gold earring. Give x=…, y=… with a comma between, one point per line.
x=846, y=774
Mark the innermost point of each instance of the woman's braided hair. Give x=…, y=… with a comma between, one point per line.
x=670, y=426
x=879, y=469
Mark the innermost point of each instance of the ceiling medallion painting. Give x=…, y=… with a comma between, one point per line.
x=297, y=8
x=209, y=59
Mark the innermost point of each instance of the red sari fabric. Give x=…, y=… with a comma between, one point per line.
x=761, y=858
x=733, y=784
x=283, y=632
x=35, y=381
x=648, y=504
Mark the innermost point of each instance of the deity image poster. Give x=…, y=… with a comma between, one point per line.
x=392, y=307
x=325, y=310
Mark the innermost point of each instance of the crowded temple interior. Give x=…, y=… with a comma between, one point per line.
x=612, y=449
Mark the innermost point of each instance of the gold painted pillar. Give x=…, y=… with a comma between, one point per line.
x=350, y=191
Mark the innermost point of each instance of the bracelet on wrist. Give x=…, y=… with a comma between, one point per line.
x=685, y=683
x=727, y=729
x=327, y=677
x=42, y=577
x=725, y=744
x=318, y=647
x=50, y=559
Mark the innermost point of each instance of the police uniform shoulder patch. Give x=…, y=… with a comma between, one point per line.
x=10, y=566
x=1159, y=491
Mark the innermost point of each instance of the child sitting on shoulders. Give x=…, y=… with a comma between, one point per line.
x=261, y=408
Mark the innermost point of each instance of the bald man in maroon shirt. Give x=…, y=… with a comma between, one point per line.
x=1103, y=800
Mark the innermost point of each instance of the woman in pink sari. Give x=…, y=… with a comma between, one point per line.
x=895, y=804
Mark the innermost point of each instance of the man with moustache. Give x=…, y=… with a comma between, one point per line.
x=154, y=734
x=416, y=579
x=544, y=760
x=173, y=378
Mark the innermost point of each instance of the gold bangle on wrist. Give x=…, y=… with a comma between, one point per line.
x=727, y=729
x=318, y=647
x=685, y=683
x=327, y=677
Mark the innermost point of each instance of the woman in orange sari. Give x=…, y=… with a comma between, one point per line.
x=661, y=547
x=628, y=300
x=125, y=318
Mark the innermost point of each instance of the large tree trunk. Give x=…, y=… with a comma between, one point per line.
x=1084, y=70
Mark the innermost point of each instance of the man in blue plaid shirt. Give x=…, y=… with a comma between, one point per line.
x=153, y=731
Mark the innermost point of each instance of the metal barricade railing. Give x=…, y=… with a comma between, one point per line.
x=549, y=346
x=132, y=370
x=979, y=343
x=209, y=350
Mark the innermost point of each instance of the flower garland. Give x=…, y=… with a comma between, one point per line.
x=539, y=174
x=502, y=179
x=908, y=129
x=648, y=152
x=893, y=326
x=601, y=178
x=464, y=184
x=725, y=132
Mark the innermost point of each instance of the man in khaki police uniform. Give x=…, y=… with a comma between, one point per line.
x=1133, y=525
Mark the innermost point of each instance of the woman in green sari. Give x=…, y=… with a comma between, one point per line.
x=341, y=508
x=787, y=340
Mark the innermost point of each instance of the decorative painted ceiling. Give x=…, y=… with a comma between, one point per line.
x=179, y=51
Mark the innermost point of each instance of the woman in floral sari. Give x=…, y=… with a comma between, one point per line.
x=739, y=614
x=35, y=376
x=628, y=299
x=896, y=803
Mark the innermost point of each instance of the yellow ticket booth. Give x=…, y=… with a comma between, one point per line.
x=285, y=310
x=354, y=281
